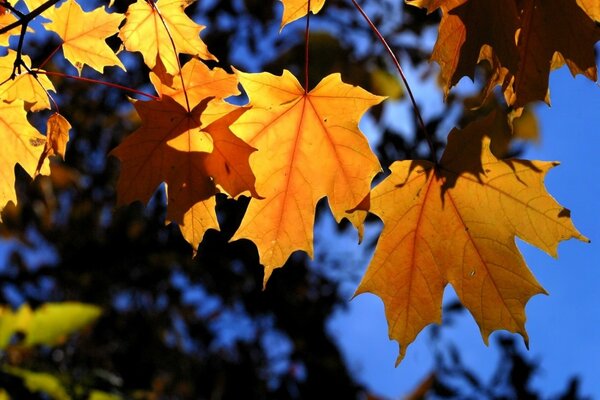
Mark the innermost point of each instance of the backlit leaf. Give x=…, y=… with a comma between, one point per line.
x=457, y=223
x=84, y=34
x=21, y=143
x=296, y=9
x=57, y=136
x=199, y=82
x=309, y=146
x=145, y=32
x=24, y=86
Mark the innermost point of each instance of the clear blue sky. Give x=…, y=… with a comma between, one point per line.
x=564, y=327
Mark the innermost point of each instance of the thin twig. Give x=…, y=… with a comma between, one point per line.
x=26, y=19
x=23, y=22
x=401, y=72
x=95, y=81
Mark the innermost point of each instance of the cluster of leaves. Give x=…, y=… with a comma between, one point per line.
x=448, y=221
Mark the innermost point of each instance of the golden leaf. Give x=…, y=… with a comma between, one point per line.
x=145, y=32
x=24, y=86
x=84, y=34
x=21, y=143
x=309, y=146
x=456, y=223
x=296, y=9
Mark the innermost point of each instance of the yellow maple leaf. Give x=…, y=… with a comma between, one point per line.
x=456, y=223
x=24, y=86
x=309, y=146
x=21, y=143
x=5, y=20
x=199, y=82
x=296, y=9
x=84, y=34
x=145, y=32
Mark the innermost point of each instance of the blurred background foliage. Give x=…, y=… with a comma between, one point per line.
x=177, y=327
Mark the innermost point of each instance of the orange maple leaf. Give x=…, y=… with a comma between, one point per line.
x=31, y=89
x=309, y=146
x=84, y=34
x=196, y=82
x=153, y=28
x=296, y=9
x=456, y=223
x=196, y=174
x=170, y=147
x=21, y=143
x=57, y=137
x=142, y=154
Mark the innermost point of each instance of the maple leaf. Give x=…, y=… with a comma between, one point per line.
x=21, y=143
x=463, y=32
x=27, y=87
x=170, y=147
x=199, y=82
x=57, y=136
x=523, y=41
x=143, y=164
x=309, y=146
x=145, y=32
x=456, y=223
x=84, y=34
x=550, y=27
x=192, y=186
x=296, y=9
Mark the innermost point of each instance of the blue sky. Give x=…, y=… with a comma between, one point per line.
x=563, y=327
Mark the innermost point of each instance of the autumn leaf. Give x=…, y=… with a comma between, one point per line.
x=84, y=34
x=57, y=136
x=145, y=31
x=196, y=82
x=192, y=185
x=21, y=143
x=33, y=90
x=309, y=146
x=456, y=223
x=143, y=162
x=296, y=9
x=547, y=28
x=466, y=29
x=522, y=43
x=171, y=147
